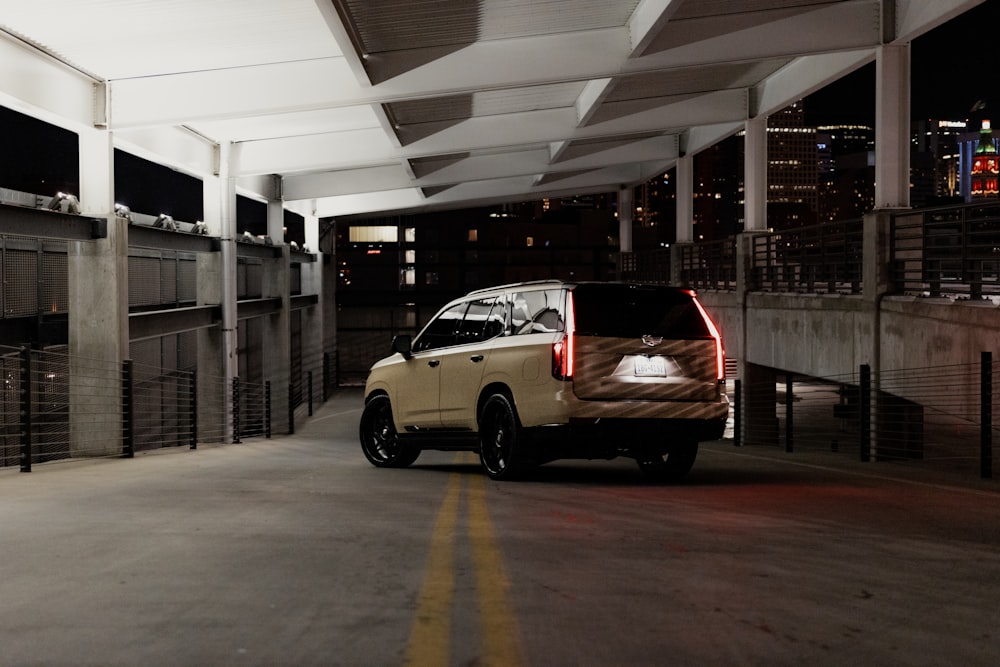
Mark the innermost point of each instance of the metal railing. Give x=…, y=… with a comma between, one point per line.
x=939, y=418
x=947, y=252
x=710, y=265
x=54, y=407
x=817, y=259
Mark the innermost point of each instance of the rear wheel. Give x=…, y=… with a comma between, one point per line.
x=379, y=440
x=669, y=466
x=500, y=438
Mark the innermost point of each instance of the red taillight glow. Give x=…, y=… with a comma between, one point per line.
x=562, y=350
x=720, y=353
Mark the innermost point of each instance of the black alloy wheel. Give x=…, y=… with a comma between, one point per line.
x=379, y=440
x=500, y=438
x=669, y=466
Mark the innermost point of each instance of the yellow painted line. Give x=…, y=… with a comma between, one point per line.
x=430, y=638
x=501, y=637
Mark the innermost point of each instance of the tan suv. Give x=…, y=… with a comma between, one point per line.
x=533, y=372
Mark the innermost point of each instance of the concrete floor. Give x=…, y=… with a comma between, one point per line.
x=295, y=551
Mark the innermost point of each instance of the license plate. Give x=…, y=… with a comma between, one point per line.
x=650, y=367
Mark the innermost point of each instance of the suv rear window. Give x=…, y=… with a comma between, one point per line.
x=633, y=311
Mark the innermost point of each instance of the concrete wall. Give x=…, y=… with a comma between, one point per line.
x=832, y=335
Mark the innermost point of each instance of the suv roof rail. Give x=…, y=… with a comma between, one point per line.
x=551, y=281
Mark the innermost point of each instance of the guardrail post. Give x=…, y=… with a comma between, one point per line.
x=25, y=389
x=738, y=414
x=789, y=420
x=865, y=413
x=236, y=410
x=309, y=385
x=326, y=376
x=267, y=409
x=193, y=410
x=986, y=416
x=128, y=410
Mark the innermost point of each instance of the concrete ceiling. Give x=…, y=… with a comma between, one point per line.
x=369, y=106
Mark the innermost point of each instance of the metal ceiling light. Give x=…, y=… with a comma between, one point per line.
x=64, y=203
x=164, y=221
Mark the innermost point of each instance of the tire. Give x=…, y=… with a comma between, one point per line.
x=500, y=439
x=379, y=441
x=669, y=466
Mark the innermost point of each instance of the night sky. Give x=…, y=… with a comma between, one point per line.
x=953, y=67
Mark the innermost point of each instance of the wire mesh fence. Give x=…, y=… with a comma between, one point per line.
x=937, y=417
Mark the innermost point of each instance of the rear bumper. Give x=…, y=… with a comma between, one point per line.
x=607, y=438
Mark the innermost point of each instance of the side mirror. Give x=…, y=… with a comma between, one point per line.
x=403, y=344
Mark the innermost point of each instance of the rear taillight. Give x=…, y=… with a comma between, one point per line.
x=720, y=353
x=562, y=350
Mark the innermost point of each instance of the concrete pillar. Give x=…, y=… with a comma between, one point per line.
x=685, y=199
x=276, y=213
x=217, y=346
x=877, y=281
x=97, y=273
x=755, y=175
x=892, y=127
x=625, y=208
x=760, y=395
x=684, y=225
x=312, y=317
x=276, y=329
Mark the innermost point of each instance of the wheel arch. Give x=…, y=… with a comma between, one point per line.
x=490, y=390
x=378, y=391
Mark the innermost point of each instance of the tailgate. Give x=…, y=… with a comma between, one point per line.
x=629, y=369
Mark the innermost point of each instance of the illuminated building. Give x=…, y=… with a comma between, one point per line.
x=984, y=176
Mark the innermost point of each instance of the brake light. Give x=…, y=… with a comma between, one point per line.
x=720, y=353
x=562, y=350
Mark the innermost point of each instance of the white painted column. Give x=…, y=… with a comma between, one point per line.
x=685, y=199
x=755, y=175
x=277, y=329
x=892, y=127
x=625, y=207
x=217, y=347
x=97, y=273
x=276, y=213
x=312, y=317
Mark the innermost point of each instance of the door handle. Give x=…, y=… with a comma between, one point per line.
x=433, y=363
x=476, y=358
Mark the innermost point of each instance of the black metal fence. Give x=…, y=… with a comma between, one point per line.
x=56, y=407
x=948, y=252
x=817, y=259
x=951, y=252
x=936, y=417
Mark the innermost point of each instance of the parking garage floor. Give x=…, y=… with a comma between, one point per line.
x=295, y=551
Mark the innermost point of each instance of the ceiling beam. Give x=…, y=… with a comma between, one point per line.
x=494, y=64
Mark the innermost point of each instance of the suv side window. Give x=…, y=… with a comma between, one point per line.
x=443, y=329
x=537, y=311
x=467, y=322
x=478, y=325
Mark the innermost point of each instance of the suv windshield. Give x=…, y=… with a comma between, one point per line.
x=633, y=311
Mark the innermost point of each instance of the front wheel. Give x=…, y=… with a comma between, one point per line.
x=500, y=438
x=669, y=466
x=379, y=440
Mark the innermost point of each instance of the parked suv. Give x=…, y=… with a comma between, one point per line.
x=529, y=373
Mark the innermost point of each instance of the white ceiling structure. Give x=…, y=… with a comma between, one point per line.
x=370, y=106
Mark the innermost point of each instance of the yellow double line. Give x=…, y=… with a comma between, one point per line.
x=430, y=638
